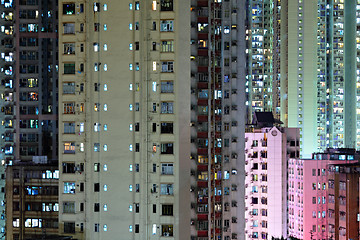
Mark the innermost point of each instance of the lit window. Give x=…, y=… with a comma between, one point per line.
x=130, y=228
x=130, y=6
x=154, y=66
x=96, y=67
x=166, y=26
x=154, y=229
x=96, y=7
x=154, y=86
x=154, y=5
x=105, y=167
x=96, y=127
x=97, y=107
x=130, y=66
x=105, y=227
x=105, y=7
x=226, y=29
x=130, y=208
x=96, y=147
x=105, y=67
x=130, y=127
x=130, y=147
x=96, y=47
x=105, y=208
x=105, y=147
x=105, y=188
x=105, y=107
x=130, y=26
x=69, y=147
x=105, y=87
x=130, y=167
x=130, y=87
x=105, y=27
x=105, y=127
x=105, y=47
x=130, y=107
x=131, y=46
x=167, y=46
x=69, y=187
x=82, y=147
x=130, y=188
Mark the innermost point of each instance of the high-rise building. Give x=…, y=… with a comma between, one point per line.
x=32, y=200
x=302, y=66
x=28, y=69
x=268, y=148
x=323, y=73
x=263, y=56
x=217, y=119
x=149, y=123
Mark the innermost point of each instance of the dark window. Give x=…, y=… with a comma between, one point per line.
x=68, y=167
x=154, y=208
x=167, y=127
x=96, y=187
x=137, y=228
x=137, y=127
x=167, y=148
x=69, y=68
x=154, y=127
x=137, y=147
x=81, y=207
x=166, y=5
x=154, y=167
x=81, y=187
x=167, y=210
x=96, y=207
x=69, y=227
x=137, y=207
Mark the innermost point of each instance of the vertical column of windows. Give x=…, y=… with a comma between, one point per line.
x=358, y=75
x=322, y=76
x=72, y=90
x=300, y=66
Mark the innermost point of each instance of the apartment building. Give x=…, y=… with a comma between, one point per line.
x=322, y=43
x=217, y=119
x=314, y=191
x=268, y=148
x=265, y=73
x=124, y=121
x=32, y=200
x=149, y=123
x=28, y=69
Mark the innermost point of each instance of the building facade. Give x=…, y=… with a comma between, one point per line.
x=218, y=115
x=149, y=123
x=319, y=206
x=323, y=74
x=32, y=206
x=268, y=150
x=28, y=83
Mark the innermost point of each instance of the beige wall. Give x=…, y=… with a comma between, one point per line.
x=118, y=117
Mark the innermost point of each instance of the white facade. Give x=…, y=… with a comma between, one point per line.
x=265, y=183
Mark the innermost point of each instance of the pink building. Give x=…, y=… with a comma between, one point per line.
x=267, y=151
x=308, y=195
